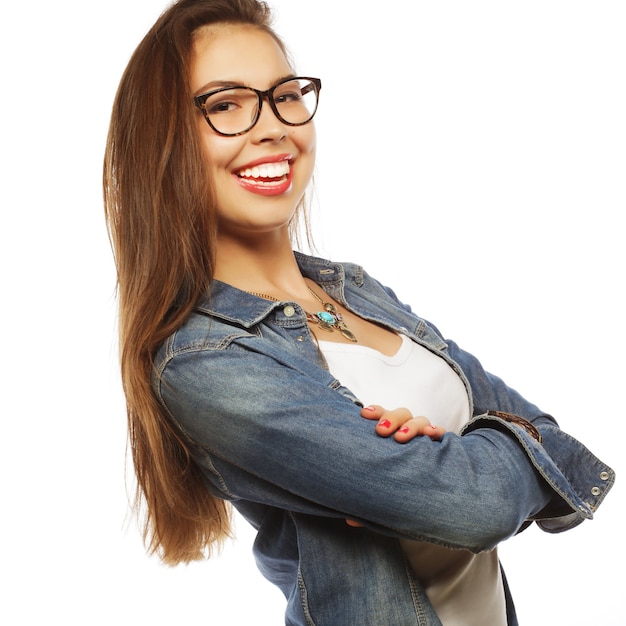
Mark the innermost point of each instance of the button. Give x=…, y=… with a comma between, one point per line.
x=289, y=311
x=604, y=476
x=596, y=491
x=300, y=338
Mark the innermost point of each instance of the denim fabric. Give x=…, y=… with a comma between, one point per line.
x=275, y=433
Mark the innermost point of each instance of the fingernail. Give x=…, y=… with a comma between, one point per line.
x=404, y=429
x=368, y=408
x=433, y=427
x=384, y=423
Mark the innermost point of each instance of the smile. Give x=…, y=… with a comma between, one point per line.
x=266, y=179
x=267, y=171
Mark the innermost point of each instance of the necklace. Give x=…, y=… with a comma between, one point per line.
x=327, y=320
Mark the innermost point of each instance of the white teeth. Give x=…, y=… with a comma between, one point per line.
x=267, y=170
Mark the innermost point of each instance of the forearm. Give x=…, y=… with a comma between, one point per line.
x=311, y=452
x=469, y=492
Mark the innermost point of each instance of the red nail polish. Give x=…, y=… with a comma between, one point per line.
x=404, y=429
x=384, y=423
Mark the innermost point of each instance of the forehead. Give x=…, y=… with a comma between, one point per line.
x=235, y=53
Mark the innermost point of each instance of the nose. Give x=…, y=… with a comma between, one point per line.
x=268, y=127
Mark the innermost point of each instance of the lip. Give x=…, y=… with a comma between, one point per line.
x=277, y=158
x=266, y=188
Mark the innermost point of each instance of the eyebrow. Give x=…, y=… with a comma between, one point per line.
x=217, y=84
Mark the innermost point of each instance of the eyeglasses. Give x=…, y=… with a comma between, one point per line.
x=234, y=110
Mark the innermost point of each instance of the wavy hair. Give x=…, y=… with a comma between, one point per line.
x=160, y=212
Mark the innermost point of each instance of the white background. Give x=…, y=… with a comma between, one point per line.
x=472, y=155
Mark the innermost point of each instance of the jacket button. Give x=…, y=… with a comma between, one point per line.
x=604, y=476
x=289, y=311
x=596, y=491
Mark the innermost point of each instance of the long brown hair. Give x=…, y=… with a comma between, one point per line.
x=160, y=211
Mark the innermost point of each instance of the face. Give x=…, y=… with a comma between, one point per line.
x=260, y=176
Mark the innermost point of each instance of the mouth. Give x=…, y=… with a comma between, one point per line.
x=267, y=178
x=267, y=172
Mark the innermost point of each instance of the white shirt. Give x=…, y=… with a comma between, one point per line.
x=465, y=589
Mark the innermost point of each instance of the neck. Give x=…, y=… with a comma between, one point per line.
x=265, y=264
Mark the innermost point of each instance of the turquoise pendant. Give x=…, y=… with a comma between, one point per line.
x=331, y=319
x=326, y=317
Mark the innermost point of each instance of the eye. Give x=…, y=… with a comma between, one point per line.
x=285, y=97
x=222, y=106
x=230, y=101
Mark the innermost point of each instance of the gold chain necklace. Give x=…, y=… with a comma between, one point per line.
x=328, y=319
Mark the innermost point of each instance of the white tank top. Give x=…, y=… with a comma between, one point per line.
x=465, y=589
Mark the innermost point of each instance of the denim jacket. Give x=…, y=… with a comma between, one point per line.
x=277, y=435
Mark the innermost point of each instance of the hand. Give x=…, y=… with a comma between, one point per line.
x=401, y=424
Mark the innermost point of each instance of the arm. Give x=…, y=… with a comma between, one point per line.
x=272, y=434
x=576, y=466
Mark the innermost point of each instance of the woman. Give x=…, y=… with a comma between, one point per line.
x=258, y=377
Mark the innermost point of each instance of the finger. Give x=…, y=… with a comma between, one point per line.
x=391, y=421
x=418, y=426
x=412, y=428
x=437, y=432
x=373, y=412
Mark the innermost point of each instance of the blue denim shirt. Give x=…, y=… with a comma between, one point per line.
x=276, y=434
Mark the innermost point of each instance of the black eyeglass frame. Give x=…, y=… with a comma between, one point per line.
x=268, y=94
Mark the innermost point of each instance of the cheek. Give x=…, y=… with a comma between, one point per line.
x=221, y=156
x=220, y=150
x=305, y=138
x=206, y=141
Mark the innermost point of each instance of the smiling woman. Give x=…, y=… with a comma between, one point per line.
x=251, y=369
x=242, y=135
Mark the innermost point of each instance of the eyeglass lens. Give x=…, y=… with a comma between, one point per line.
x=235, y=110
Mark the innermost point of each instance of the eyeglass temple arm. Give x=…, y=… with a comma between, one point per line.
x=312, y=86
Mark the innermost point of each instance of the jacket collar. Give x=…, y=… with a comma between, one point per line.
x=234, y=305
